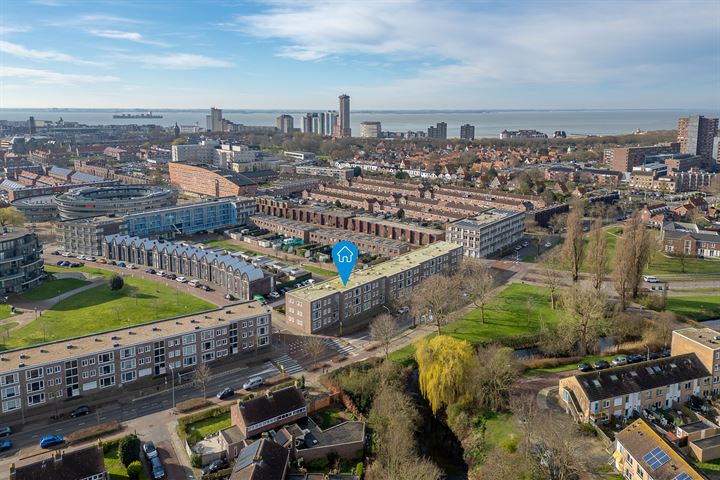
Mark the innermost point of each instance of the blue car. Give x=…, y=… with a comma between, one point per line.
x=5, y=445
x=51, y=440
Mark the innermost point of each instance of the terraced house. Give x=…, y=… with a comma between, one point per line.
x=228, y=272
x=626, y=391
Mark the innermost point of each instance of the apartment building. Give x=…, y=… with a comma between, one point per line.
x=309, y=233
x=625, y=158
x=488, y=233
x=696, y=135
x=650, y=181
x=628, y=390
x=105, y=362
x=331, y=172
x=690, y=243
x=331, y=307
x=641, y=453
x=227, y=272
x=703, y=342
x=21, y=266
x=693, y=180
x=204, y=179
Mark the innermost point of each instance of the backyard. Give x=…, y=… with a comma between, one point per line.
x=53, y=288
x=99, y=309
x=319, y=271
x=114, y=466
x=518, y=310
x=196, y=431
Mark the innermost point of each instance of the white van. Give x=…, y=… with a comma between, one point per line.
x=253, y=383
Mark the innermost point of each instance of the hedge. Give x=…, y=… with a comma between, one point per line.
x=94, y=431
x=189, y=405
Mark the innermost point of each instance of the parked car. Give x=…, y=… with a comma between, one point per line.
x=76, y=265
x=525, y=244
x=215, y=466
x=51, y=440
x=403, y=310
x=121, y=264
x=131, y=266
x=80, y=411
x=253, y=382
x=181, y=279
x=600, y=365
x=112, y=262
x=160, y=273
x=584, y=367
x=158, y=471
x=65, y=263
x=90, y=259
x=622, y=360
x=548, y=244
x=171, y=276
x=229, y=296
x=5, y=445
x=149, y=450
x=5, y=430
x=635, y=358
x=206, y=288
x=650, y=278
x=151, y=271
x=225, y=393
x=102, y=260
x=194, y=283
x=518, y=248
x=654, y=355
x=59, y=263
x=274, y=295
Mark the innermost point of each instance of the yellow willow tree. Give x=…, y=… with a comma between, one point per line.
x=444, y=364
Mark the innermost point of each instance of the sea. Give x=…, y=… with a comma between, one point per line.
x=488, y=123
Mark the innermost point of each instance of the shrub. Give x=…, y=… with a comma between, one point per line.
x=549, y=362
x=116, y=282
x=196, y=460
x=94, y=431
x=359, y=470
x=510, y=443
x=192, y=404
x=134, y=470
x=129, y=449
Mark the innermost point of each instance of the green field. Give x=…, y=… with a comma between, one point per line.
x=499, y=428
x=53, y=288
x=202, y=428
x=99, y=309
x=663, y=265
x=695, y=308
x=231, y=246
x=4, y=311
x=568, y=366
x=92, y=271
x=319, y=271
x=507, y=315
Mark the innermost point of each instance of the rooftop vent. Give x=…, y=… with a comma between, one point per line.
x=194, y=320
x=178, y=323
x=116, y=344
x=98, y=339
x=131, y=333
x=42, y=350
x=69, y=346
x=197, y=327
x=21, y=365
x=114, y=337
x=156, y=329
x=4, y=359
x=23, y=356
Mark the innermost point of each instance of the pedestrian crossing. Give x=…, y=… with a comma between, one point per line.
x=288, y=364
x=343, y=348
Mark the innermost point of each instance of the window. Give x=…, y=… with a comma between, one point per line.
x=189, y=361
x=188, y=339
x=106, y=357
x=127, y=364
x=207, y=334
x=9, y=379
x=107, y=382
x=208, y=345
x=128, y=376
x=10, y=392
x=127, y=352
x=36, y=399
x=34, y=373
x=208, y=357
x=189, y=350
x=606, y=403
x=49, y=371
x=36, y=386
x=11, y=405
x=107, y=369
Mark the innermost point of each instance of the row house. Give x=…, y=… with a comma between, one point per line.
x=224, y=271
x=690, y=242
x=626, y=391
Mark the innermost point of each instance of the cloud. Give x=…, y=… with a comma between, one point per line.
x=7, y=29
x=129, y=36
x=20, y=51
x=183, y=61
x=105, y=18
x=49, y=77
x=476, y=44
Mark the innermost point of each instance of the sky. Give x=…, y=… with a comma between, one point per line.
x=392, y=54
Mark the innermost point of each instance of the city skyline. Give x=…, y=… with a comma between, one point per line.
x=282, y=55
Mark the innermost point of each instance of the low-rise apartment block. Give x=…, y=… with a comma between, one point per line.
x=331, y=307
x=104, y=362
x=690, y=242
x=703, y=342
x=332, y=172
x=21, y=264
x=488, y=233
x=641, y=453
x=625, y=158
x=625, y=391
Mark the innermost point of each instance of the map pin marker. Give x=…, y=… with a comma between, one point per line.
x=345, y=255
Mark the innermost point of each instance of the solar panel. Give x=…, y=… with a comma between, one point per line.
x=656, y=458
x=683, y=476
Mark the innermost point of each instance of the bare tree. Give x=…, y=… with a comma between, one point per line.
x=434, y=298
x=315, y=346
x=584, y=322
x=574, y=246
x=382, y=330
x=11, y=216
x=494, y=373
x=631, y=256
x=478, y=282
x=556, y=223
x=551, y=276
x=659, y=330
x=597, y=253
x=201, y=378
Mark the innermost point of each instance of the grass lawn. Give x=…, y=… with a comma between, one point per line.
x=231, y=247
x=327, y=418
x=319, y=271
x=695, y=308
x=568, y=366
x=507, y=315
x=202, y=428
x=500, y=428
x=5, y=311
x=53, y=288
x=664, y=265
x=712, y=466
x=92, y=271
x=114, y=466
x=99, y=309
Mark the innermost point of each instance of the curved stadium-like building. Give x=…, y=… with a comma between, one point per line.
x=119, y=199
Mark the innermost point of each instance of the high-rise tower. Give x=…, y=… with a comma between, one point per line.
x=343, y=121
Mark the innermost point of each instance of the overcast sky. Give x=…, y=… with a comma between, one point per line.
x=404, y=54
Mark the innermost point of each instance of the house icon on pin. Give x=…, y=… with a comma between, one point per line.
x=345, y=255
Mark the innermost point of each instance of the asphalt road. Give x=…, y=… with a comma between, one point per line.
x=124, y=410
